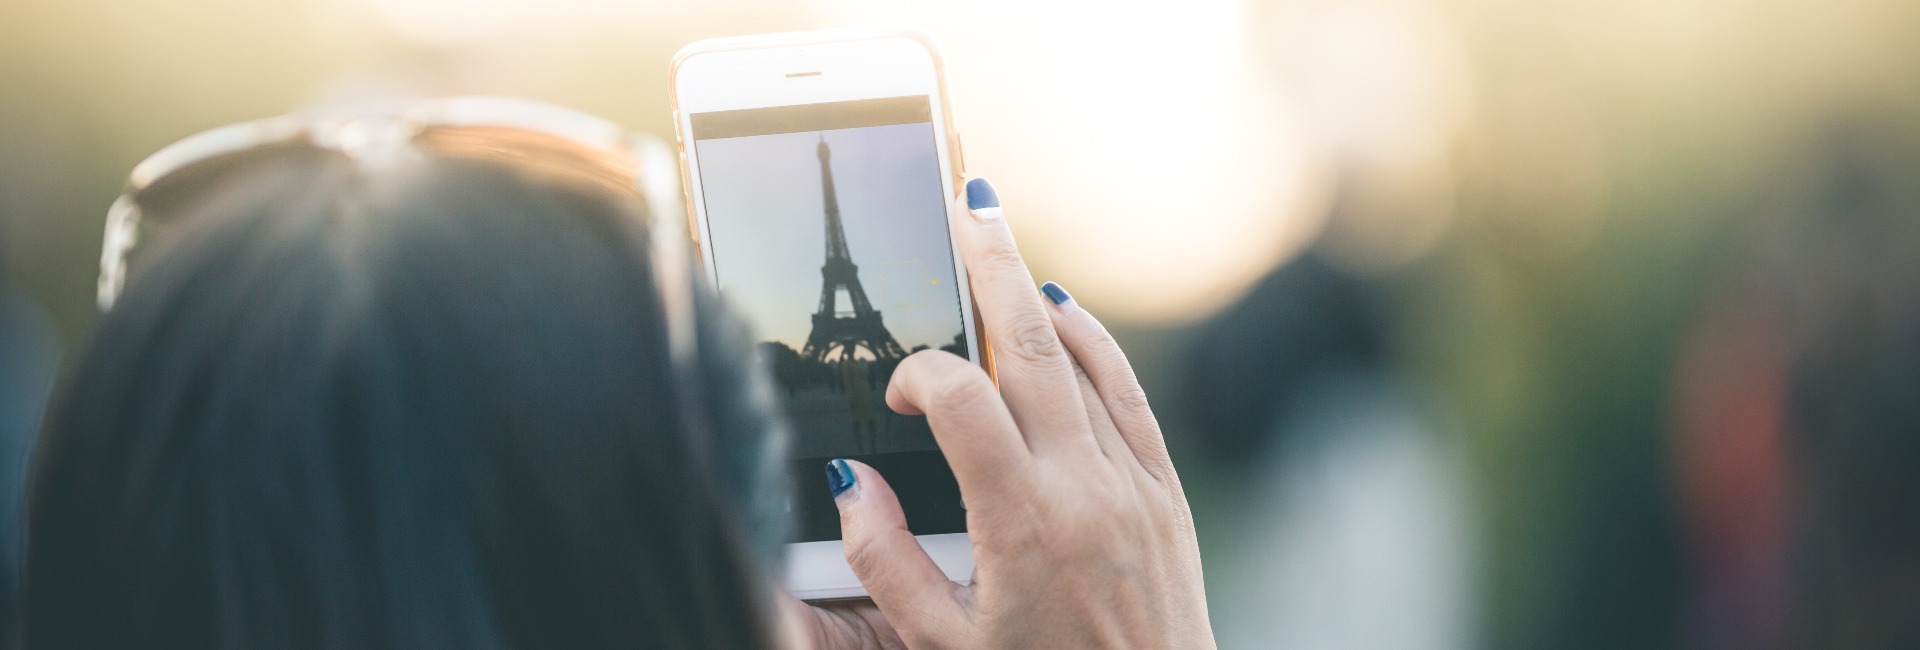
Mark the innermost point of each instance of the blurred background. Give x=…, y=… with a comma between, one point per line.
x=1504, y=323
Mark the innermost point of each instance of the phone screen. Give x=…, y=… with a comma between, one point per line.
x=827, y=229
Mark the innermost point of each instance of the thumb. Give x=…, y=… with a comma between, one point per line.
x=919, y=600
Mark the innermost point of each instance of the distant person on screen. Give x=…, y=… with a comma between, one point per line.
x=860, y=407
x=431, y=399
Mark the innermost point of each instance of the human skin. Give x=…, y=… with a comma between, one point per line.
x=1081, y=533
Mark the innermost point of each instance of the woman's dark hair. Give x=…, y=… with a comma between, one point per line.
x=423, y=405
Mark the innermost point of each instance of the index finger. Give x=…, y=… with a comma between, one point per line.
x=968, y=418
x=1036, y=375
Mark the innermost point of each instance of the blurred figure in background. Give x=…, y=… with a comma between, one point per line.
x=1852, y=307
x=1792, y=447
x=1797, y=428
x=1349, y=509
x=1611, y=161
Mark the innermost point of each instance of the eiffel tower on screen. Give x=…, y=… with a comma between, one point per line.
x=860, y=326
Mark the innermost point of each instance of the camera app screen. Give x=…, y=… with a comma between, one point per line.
x=827, y=226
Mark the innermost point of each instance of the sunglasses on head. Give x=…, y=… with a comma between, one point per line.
x=375, y=134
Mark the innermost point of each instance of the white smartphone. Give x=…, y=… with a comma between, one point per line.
x=818, y=167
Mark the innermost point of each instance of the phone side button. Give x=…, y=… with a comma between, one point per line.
x=959, y=156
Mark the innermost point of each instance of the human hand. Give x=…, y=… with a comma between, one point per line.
x=1081, y=533
x=835, y=625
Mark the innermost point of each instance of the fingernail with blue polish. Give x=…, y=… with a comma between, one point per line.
x=840, y=479
x=1054, y=293
x=982, y=201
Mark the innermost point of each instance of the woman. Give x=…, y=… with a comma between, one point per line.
x=860, y=409
x=420, y=384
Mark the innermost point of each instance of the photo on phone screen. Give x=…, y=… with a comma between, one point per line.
x=827, y=229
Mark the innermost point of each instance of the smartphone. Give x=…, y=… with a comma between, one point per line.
x=818, y=167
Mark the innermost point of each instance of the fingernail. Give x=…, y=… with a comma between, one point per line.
x=1054, y=293
x=982, y=201
x=840, y=479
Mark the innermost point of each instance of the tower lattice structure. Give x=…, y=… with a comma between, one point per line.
x=861, y=327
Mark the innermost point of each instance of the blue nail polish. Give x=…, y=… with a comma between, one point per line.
x=980, y=195
x=1054, y=293
x=839, y=476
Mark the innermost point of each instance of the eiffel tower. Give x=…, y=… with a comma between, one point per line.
x=862, y=327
